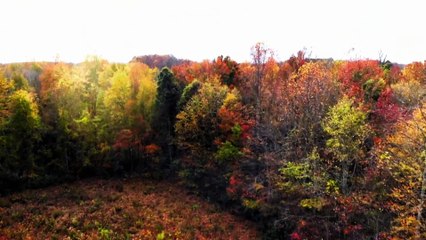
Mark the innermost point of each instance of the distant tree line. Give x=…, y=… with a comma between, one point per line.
x=160, y=61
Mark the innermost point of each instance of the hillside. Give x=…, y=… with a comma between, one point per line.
x=310, y=148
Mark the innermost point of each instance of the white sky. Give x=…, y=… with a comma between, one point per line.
x=195, y=29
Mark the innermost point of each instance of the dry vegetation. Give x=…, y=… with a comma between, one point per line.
x=117, y=209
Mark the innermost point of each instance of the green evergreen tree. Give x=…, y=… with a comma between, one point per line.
x=165, y=111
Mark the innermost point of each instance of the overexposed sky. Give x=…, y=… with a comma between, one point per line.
x=117, y=30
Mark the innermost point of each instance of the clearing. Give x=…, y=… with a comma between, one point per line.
x=117, y=209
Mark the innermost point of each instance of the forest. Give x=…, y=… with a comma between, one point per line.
x=303, y=148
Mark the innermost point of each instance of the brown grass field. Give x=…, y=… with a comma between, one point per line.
x=117, y=209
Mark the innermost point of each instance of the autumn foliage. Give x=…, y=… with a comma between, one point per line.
x=309, y=148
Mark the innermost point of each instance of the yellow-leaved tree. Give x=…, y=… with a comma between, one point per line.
x=405, y=157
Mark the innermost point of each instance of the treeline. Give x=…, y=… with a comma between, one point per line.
x=160, y=61
x=309, y=149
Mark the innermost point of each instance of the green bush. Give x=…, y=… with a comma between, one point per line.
x=227, y=151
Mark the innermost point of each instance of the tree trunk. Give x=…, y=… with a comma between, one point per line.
x=67, y=160
x=169, y=141
x=345, y=175
x=421, y=204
